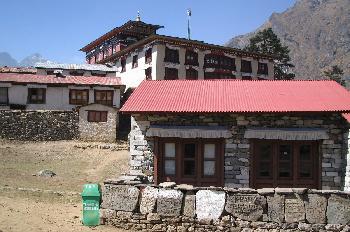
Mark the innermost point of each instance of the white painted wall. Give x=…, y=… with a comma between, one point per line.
x=57, y=98
x=132, y=77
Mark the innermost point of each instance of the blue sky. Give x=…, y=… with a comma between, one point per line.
x=57, y=29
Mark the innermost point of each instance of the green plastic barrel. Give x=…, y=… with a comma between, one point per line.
x=91, y=204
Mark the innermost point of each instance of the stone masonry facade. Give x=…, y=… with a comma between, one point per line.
x=171, y=207
x=98, y=131
x=333, y=151
x=38, y=125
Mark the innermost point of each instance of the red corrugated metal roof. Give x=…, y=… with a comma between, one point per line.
x=347, y=116
x=210, y=96
x=52, y=79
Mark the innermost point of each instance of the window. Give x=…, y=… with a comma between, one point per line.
x=104, y=97
x=148, y=73
x=98, y=74
x=171, y=74
x=76, y=73
x=218, y=75
x=278, y=163
x=191, y=74
x=247, y=78
x=190, y=161
x=123, y=64
x=219, y=62
x=36, y=96
x=4, y=100
x=171, y=55
x=246, y=66
x=78, y=97
x=148, y=56
x=50, y=72
x=97, y=116
x=262, y=68
x=191, y=58
x=134, y=61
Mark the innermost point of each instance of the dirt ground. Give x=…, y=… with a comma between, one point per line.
x=32, y=203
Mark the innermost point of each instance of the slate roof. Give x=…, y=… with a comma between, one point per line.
x=230, y=96
x=89, y=67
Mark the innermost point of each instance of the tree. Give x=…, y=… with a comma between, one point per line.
x=267, y=42
x=335, y=74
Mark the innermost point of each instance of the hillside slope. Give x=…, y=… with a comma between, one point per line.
x=317, y=33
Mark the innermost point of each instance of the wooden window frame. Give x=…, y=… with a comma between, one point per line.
x=97, y=116
x=191, y=74
x=296, y=181
x=7, y=96
x=263, y=68
x=123, y=64
x=30, y=94
x=171, y=55
x=194, y=58
x=148, y=56
x=78, y=101
x=219, y=62
x=135, y=61
x=104, y=102
x=148, y=73
x=199, y=179
x=245, y=68
x=76, y=73
x=171, y=76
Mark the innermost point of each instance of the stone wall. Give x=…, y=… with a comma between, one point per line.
x=38, y=125
x=171, y=207
x=98, y=131
x=347, y=169
x=333, y=151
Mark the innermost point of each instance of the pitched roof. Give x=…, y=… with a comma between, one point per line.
x=52, y=79
x=183, y=42
x=89, y=67
x=116, y=31
x=17, y=70
x=229, y=96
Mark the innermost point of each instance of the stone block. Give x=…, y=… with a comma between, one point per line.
x=315, y=208
x=246, y=206
x=169, y=202
x=275, y=208
x=120, y=197
x=148, y=199
x=294, y=209
x=338, y=210
x=209, y=204
x=189, y=209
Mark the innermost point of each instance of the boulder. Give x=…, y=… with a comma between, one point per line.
x=209, y=204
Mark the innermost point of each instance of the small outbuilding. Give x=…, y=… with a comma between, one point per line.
x=240, y=133
x=98, y=122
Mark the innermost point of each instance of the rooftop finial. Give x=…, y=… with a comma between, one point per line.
x=138, y=18
x=189, y=14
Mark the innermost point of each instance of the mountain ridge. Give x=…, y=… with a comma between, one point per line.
x=317, y=33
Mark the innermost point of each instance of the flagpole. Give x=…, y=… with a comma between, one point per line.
x=189, y=13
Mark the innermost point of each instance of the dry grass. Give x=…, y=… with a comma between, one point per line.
x=45, y=210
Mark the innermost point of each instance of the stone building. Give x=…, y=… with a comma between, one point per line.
x=98, y=123
x=237, y=133
x=139, y=53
